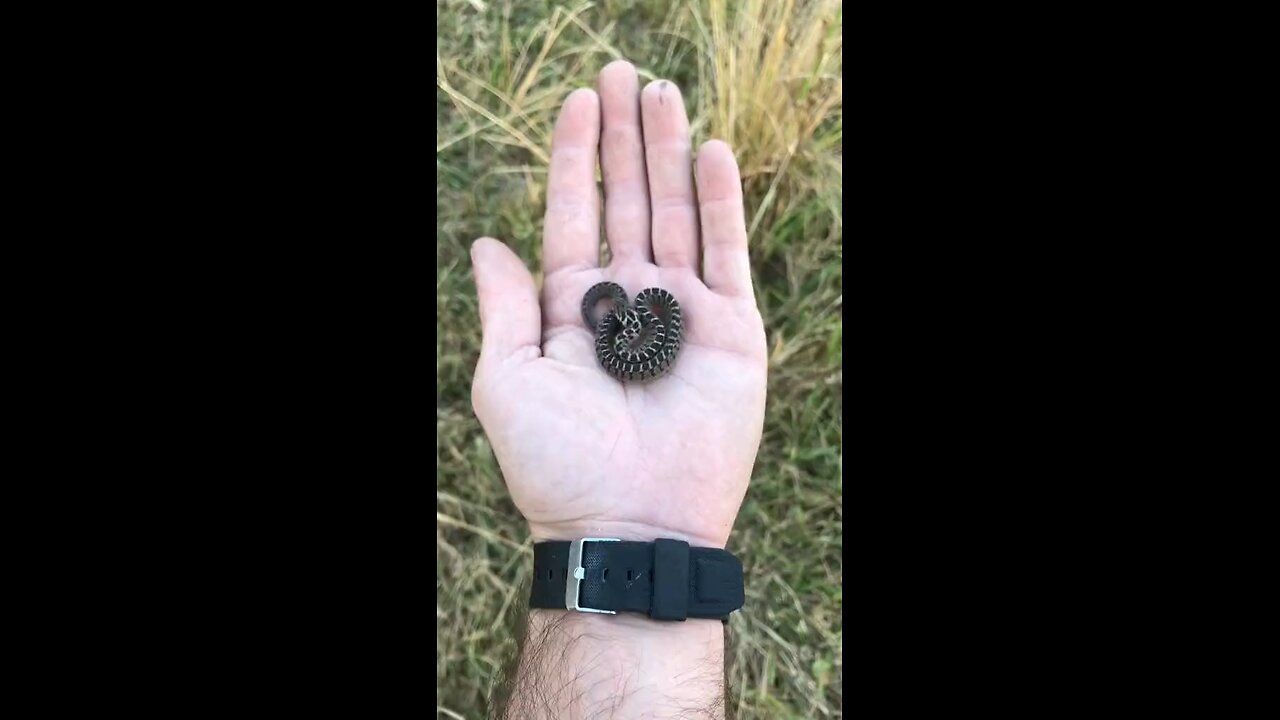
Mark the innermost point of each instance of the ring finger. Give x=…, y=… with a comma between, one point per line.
x=667, y=152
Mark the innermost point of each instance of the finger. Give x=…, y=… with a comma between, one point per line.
x=666, y=146
x=726, y=266
x=626, y=188
x=509, y=314
x=571, y=236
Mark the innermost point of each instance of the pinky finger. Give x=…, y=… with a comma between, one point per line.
x=726, y=267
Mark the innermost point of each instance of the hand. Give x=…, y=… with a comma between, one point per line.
x=582, y=453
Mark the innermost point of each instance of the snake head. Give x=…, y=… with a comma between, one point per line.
x=629, y=319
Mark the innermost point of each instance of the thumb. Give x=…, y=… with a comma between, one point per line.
x=509, y=312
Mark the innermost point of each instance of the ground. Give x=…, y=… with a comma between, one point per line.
x=766, y=76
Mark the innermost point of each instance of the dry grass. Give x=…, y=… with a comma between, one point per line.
x=776, y=69
x=767, y=77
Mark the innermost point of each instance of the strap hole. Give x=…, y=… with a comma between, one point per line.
x=551, y=573
x=628, y=576
x=605, y=574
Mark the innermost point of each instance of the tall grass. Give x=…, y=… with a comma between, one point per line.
x=770, y=82
x=775, y=70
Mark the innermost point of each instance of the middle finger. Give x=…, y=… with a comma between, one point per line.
x=626, y=189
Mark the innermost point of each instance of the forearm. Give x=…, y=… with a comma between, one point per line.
x=582, y=665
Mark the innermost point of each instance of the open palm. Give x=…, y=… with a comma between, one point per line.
x=582, y=453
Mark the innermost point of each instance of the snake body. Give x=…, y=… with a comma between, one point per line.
x=634, y=341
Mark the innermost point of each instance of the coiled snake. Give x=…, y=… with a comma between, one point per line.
x=634, y=342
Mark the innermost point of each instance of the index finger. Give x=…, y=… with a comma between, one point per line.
x=571, y=231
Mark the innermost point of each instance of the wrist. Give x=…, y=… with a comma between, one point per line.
x=626, y=663
x=639, y=631
x=666, y=579
x=624, y=530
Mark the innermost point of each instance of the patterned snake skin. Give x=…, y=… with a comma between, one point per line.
x=634, y=342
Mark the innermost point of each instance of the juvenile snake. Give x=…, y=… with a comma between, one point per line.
x=634, y=342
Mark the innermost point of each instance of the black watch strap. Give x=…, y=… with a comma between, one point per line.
x=665, y=579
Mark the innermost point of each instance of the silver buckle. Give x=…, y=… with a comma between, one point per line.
x=575, y=574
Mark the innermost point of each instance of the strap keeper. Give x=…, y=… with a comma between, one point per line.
x=670, y=580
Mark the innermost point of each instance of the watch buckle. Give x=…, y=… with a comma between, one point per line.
x=576, y=573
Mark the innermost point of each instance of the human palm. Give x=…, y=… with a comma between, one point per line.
x=584, y=454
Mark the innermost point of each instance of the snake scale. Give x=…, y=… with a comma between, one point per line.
x=634, y=341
